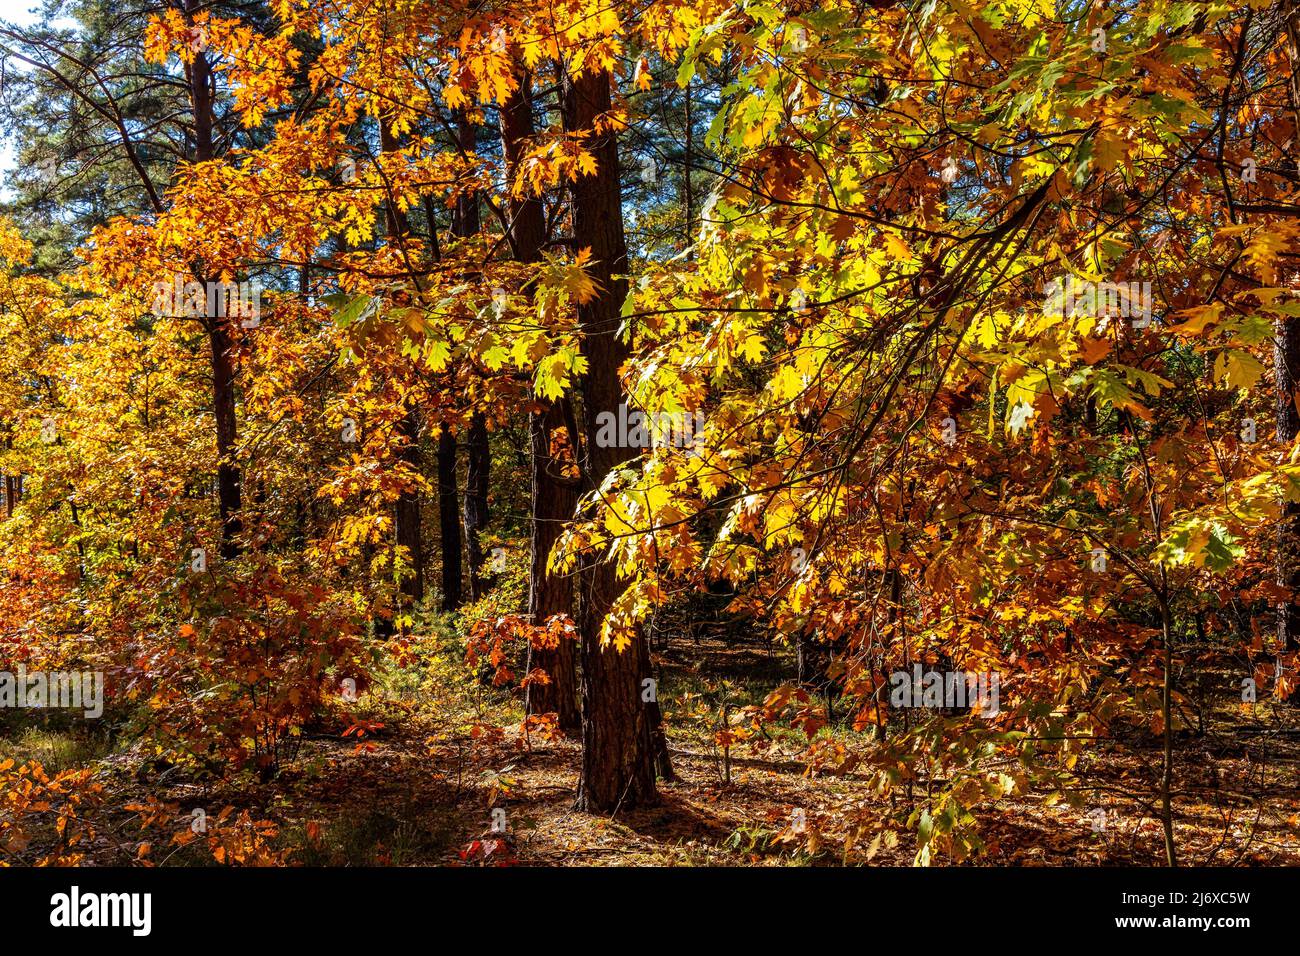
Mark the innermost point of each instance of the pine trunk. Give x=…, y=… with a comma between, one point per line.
x=554, y=496
x=408, y=530
x=620, y=730
x=449, y=521
x=1286, y=359
x=476, y=500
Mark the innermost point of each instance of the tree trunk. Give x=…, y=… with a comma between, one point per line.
x=408, y=531
x=476, y=500
x=465, y=218
x=223, y=400
x=1167, y=715
x=620, y=730
x=688, y=165
x=229, y=501
x=554, y=496
x=1286, y=363
x=13, y=485
x=465, y=223
x=553, y=501
x=448, y=520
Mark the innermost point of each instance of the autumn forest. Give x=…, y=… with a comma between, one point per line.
x=536, y=433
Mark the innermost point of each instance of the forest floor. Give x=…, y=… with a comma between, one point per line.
x=420, y=790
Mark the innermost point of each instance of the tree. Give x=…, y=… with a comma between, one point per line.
x=408, y=522
x=1286, y=365
x=553, y=493
x=618, y=732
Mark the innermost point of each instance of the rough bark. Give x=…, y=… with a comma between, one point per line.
x=229, y=501
x=477, y=476
x=554, y=496
x=1286, y=363
x=465, y=223
x=408, y=529
x=553, y=501
x=449, y=521
x=621, y=731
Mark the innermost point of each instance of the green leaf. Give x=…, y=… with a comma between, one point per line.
x=352, y=312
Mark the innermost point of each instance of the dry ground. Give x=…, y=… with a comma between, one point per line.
x=420, y=791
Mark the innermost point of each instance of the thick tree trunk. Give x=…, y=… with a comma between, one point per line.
x=476, y=500
x=229, y=500
x=1286, y=362
x=621, y=732
x=527, y=216
x=554, y=495
x=465, y=223
x=465, y=218
x=449, y=521
x=199, y=76
x=408, y=529
x=1167, y=716
x=553, y=500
